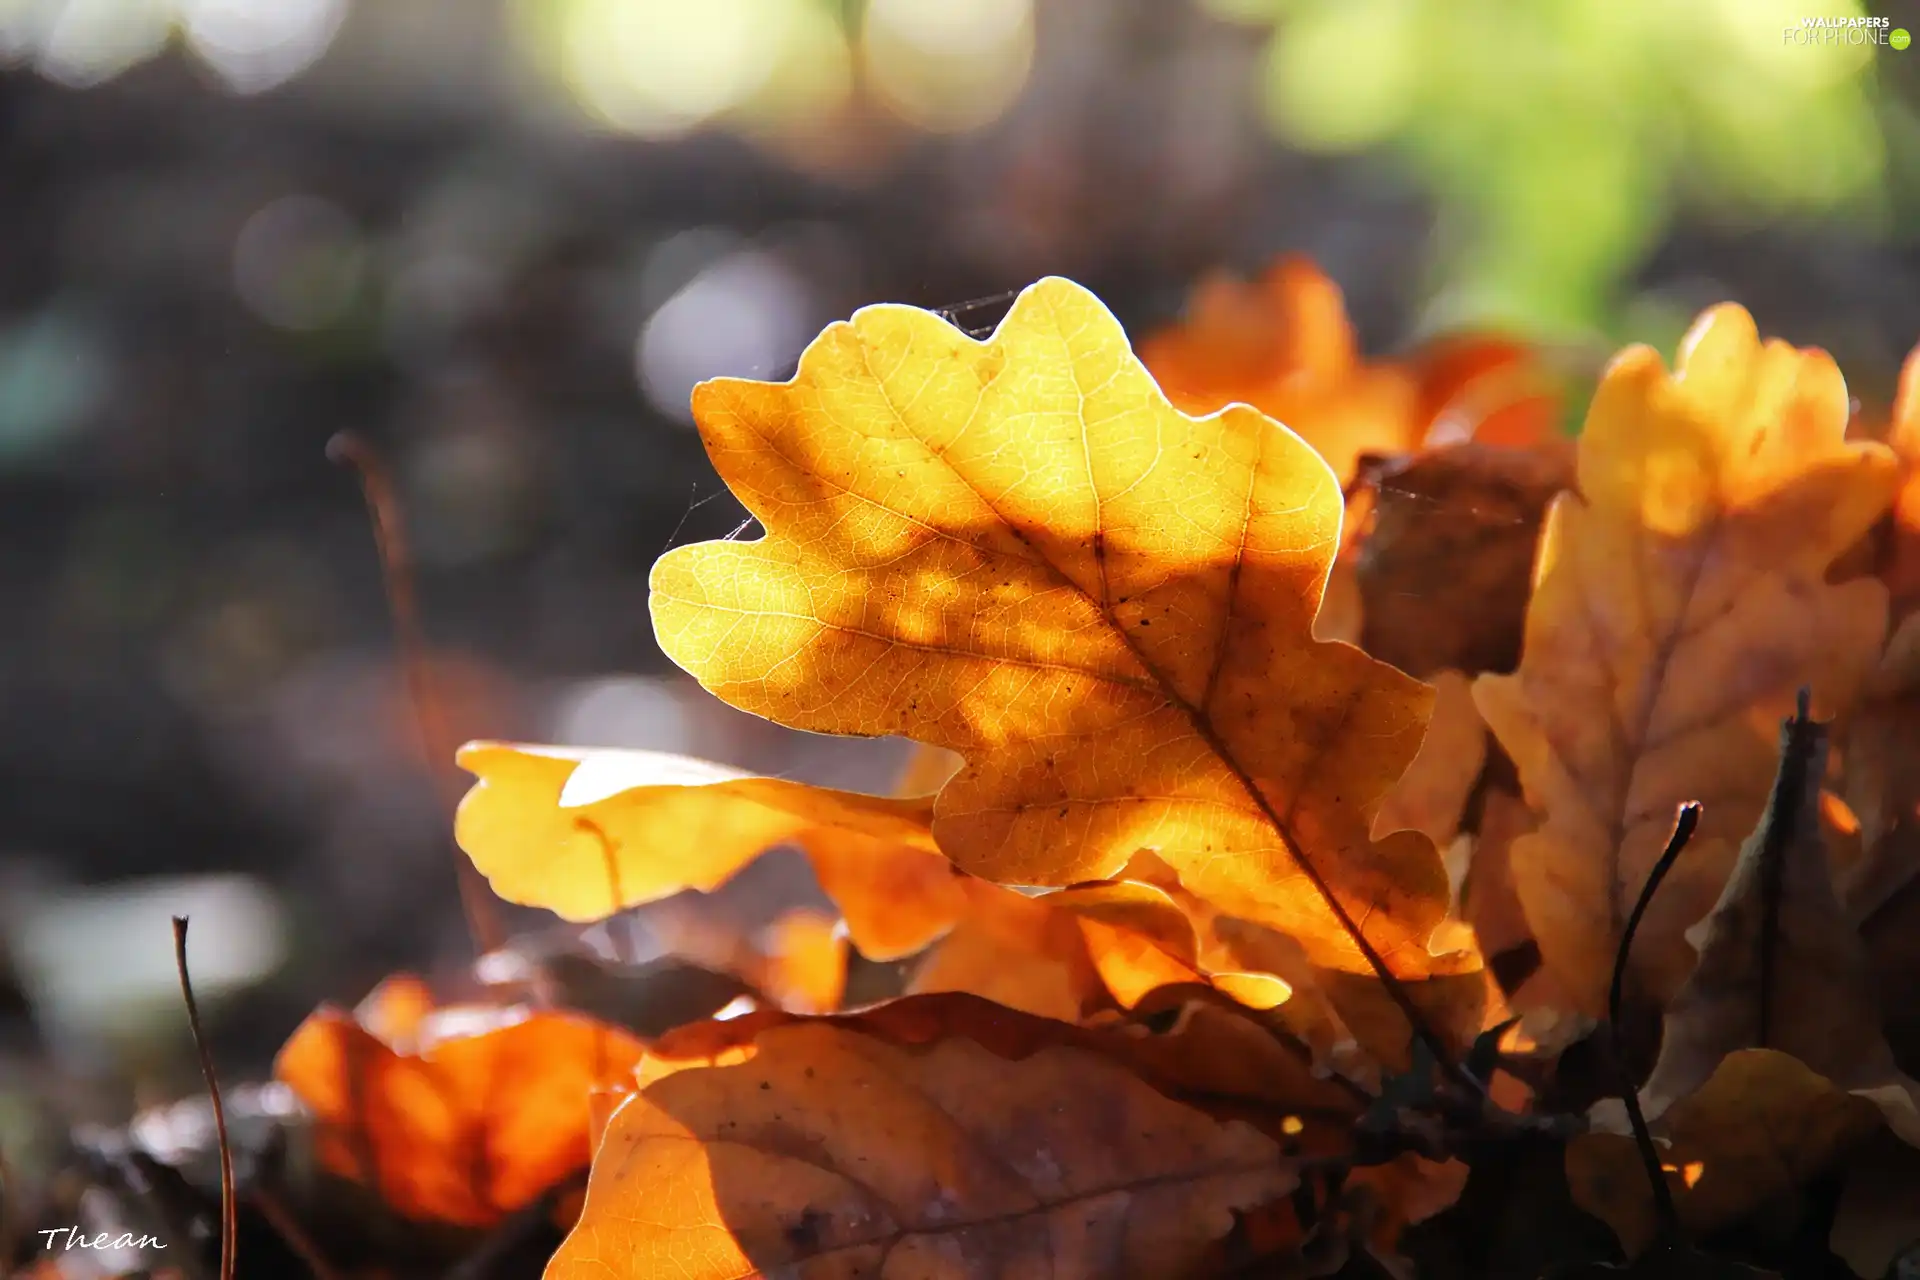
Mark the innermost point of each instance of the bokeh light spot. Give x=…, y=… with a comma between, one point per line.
x=748, y=315
x=298, y=263
x=660, y=67
x=948, y=67
x=254, y=45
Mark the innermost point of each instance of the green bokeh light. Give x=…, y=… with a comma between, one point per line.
x=1559, y=136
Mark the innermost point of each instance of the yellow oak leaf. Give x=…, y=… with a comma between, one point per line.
x=587, y=833
x=1681, y=600
x=1019, y=551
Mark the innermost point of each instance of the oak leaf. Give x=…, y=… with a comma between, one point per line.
x=831, y=1152
x=1883, y=789
x=587, y=833
x=464, y=1125
x=1781, y=966
x=1193, y=1045
x=1017, y=550
x=1444, y=569
x=1681, y=600
x=1141, y=939
x=1760, y=1128
x=1431, y=796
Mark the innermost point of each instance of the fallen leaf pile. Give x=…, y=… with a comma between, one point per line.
x=1197, y=942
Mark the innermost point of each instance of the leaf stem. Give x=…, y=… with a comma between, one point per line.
x=396, y=574
x=1684, y=825
x=229, y=1215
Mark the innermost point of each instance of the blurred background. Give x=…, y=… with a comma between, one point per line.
x=502, y=239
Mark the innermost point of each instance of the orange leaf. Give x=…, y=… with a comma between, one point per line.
x=1681, y=601
x=806, y=962
x=831, y=1152
x=587, y=833
x=1485, y=388
x=1284, y=346
x=469, y=1127
x=396, y=1011
x=1019, y=551
x=1016, y=951
x=1141, y=939
x=1902, y=568
x=1432, y=794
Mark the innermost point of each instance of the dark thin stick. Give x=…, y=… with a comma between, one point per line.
x=1683, y=828
x=1799, y=744
x=288, y=1228
x=229, y=1217
x=396, y=572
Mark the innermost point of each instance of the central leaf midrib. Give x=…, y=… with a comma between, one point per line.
x=1197, y=721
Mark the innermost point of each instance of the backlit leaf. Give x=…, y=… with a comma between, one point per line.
x=460, y=1127
x=1017, y=550
x=1681, y=601
x=587, y=833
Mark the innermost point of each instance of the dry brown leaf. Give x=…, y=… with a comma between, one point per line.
x=1019, y=551
x=1761, y=1127
x=588, y=833
x=1446, y=568
x=831, y=1153
x=430, y=1129
x=1192, y=1045
x=1883, y=773
x=1817, y=1003
x=1681, y=601
x=1488, y=901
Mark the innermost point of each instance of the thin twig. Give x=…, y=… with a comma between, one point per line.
x=1800, y=742
x=288, y=1228
x=229, y=1216
x=396, y=572
x=1683, y=827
